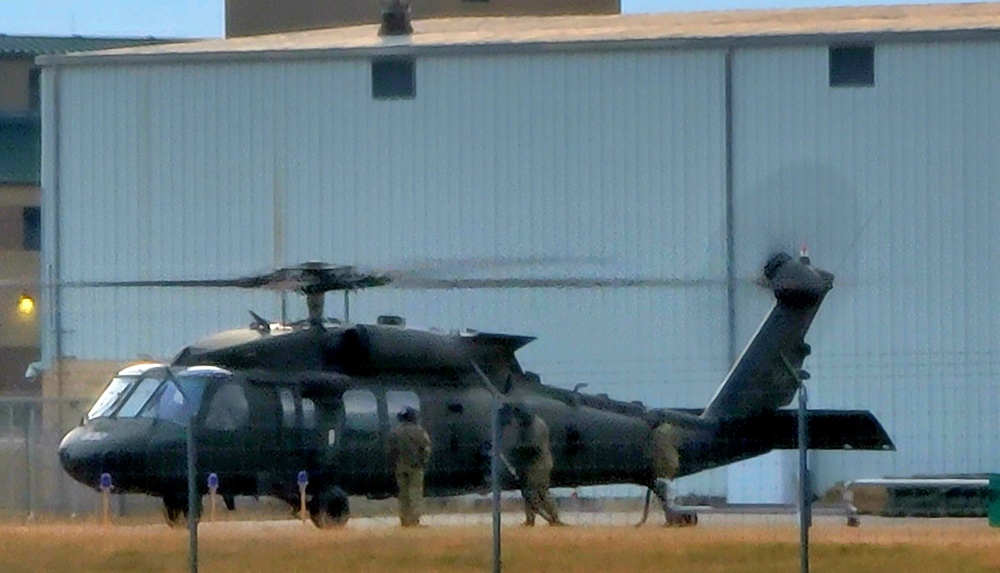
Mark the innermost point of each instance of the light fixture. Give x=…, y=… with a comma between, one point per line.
x=26, y=305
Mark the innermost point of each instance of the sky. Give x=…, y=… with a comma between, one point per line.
x=205, y=18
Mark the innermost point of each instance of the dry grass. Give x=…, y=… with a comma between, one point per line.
x=932, y=546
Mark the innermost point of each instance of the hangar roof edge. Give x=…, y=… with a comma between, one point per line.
x=503, y=34
x=18, y=45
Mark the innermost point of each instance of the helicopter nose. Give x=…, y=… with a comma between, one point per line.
x=79, y=458
x=116, y=447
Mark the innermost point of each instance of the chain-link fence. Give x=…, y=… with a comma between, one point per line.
x=31, y=481
x=891, y=510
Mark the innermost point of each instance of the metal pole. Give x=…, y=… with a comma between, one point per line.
x=495, y=481
x=495, y=461
x=30, y=445
x=805, y=490
x=11, y=425
x=192, y=498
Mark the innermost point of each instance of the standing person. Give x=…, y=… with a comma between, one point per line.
x=531, y=456
x=409, y=452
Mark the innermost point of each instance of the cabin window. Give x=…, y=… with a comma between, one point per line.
x=360, y=412
x=396, y=401
x=287, y=407
x=308, y=414
x=229, y=409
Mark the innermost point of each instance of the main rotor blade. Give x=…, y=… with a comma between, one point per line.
x=565, y=282
x=439, y=267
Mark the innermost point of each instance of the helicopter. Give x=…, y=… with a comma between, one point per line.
x=320, y=396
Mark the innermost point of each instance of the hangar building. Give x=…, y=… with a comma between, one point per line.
x=689, y=145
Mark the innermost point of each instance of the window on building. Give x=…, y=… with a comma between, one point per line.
x=394, y=78
x=34, y=88
x=852, y=66
x=360, y=412
x=32, y=229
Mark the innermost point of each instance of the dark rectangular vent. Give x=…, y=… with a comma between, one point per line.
x=852, y=66
x=394, y=78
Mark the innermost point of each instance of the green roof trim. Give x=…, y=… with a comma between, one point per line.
x=20, y=150
x=29, y=46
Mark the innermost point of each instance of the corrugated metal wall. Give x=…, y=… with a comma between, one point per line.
x=170, y=171
x=894, y=188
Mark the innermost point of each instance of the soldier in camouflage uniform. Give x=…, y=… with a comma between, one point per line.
x=409, y=452
x=527, y=440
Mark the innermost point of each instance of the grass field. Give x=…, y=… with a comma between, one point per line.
x=965, y=546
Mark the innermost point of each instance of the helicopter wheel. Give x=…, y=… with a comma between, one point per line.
x=330, y=508
x=681, y=519
x=175, y=510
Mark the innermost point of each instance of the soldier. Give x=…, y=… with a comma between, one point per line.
x=409, y=452
x=527, y=440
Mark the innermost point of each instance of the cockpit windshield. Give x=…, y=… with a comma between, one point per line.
x=157, y=393
x=112, y=397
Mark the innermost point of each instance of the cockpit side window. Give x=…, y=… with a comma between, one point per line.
x=228, y=410
x=176, y=399
x=169, y=404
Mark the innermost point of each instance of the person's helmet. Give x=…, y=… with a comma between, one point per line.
x=407, y=415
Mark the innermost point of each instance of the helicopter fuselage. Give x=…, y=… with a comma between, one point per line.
x=257, y=430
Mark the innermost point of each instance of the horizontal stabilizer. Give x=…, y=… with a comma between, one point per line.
x=827, y=430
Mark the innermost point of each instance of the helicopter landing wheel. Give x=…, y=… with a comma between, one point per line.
x=330, y=508
x=175, y=510
x=681, y=519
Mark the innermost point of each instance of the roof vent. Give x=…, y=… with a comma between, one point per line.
x=395, y=18
x=390, y=320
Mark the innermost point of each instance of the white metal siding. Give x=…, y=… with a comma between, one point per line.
x=894, y=188
x=174, y=171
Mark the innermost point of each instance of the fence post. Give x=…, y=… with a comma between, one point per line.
x=993, y=512
x=30, y=446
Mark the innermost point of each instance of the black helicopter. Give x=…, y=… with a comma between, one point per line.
x=320, y=395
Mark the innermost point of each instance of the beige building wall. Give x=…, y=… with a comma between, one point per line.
x=251, y=17
x=16, y=329
x=19, y=334
x=11, y=230
x=14, y=89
